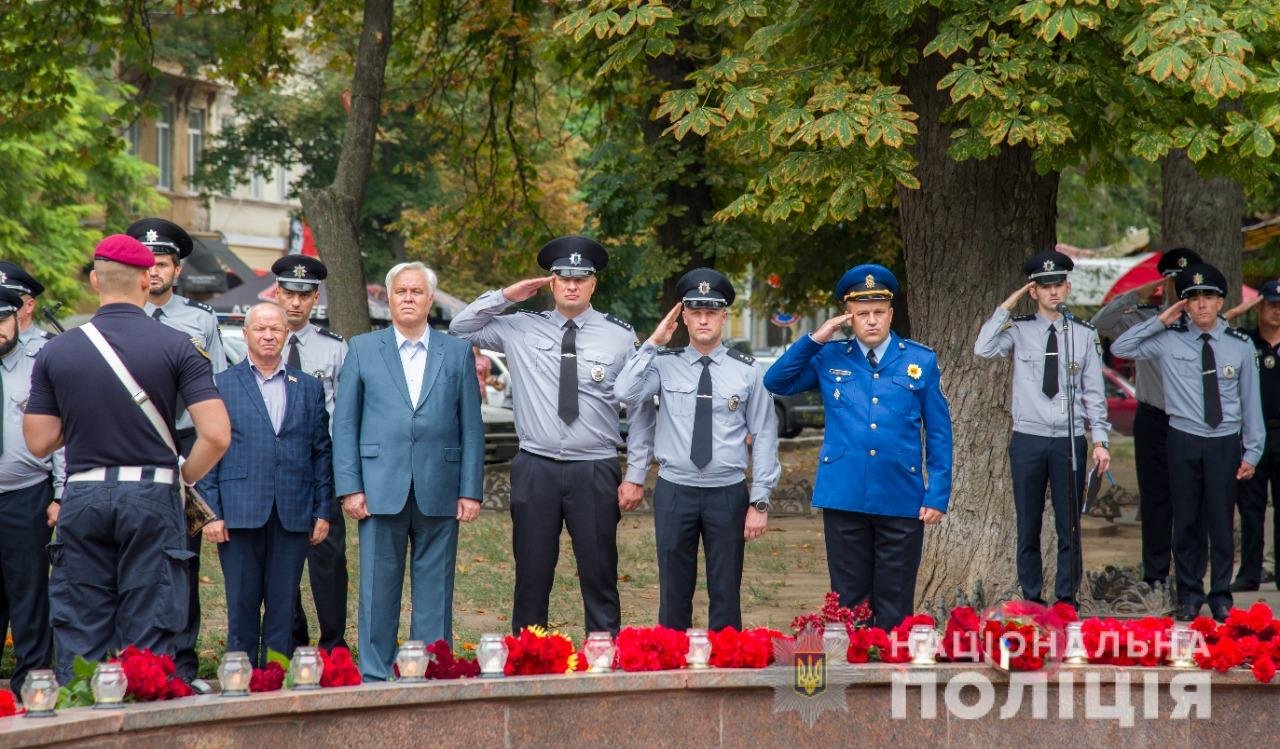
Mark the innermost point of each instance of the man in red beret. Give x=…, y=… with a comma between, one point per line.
x=108, y=391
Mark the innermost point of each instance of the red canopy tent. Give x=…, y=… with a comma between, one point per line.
x=1145, y=272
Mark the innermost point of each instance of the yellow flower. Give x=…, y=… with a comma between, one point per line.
x=913, y=371
x=572, y=664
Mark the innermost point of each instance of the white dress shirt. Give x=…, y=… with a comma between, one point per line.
x=413, y=360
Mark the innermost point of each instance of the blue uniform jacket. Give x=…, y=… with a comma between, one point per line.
x=871, y=457
x=292, y=470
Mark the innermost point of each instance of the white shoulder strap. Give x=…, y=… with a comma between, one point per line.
x=136, y=392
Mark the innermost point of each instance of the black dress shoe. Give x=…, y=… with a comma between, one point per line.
x=1240, y=586
x=1220, y=612
x=1187, y=612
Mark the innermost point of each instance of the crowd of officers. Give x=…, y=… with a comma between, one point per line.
x=884, y=469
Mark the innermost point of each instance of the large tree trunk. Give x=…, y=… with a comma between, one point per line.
x=966, y=233
x=686, y=188
x=334, y=211
x=1205, y=216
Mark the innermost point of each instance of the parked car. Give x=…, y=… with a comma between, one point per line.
x=795, y=412
x=1122, y=401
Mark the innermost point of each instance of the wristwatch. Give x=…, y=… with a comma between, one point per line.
x=1104, y=445
x=761, y=505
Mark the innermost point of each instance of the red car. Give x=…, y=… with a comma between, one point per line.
x=1122, y=401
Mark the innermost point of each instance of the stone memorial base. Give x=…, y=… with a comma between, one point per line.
x=714, y=708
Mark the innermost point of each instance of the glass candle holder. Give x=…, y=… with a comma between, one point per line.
x=922, y=645
x=492, y=655
x=40, y=693
x=305, y=668
x=1074, y=653
x=699, y=655
x=598, y=650
x=412, y=661
x=1183, y=643
x=835, y=639
x=109, y=685
x=234, y=673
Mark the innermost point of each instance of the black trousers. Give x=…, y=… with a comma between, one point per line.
x=1038, y=463
x=262, y=568
x=874, y=557
x=24, y=578
x=682, y=514
x=1202, y=479
x=1150, y=435
x=1252, y=502
x=546, y=496
x=327, y=568
x=185, y=660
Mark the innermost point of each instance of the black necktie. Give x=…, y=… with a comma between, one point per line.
x=871, y=358
x=295, y=359
x=1050, y=382
x=1209, y=373
x=700, y=450
x=156, y=313
x=569, y=374
x=1, y=407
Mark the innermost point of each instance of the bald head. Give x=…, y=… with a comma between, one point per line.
x=264, y=334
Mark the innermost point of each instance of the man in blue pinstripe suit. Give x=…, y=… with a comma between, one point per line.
x=271, y=490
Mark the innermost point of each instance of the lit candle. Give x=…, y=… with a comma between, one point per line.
x=109, y=684
x=598, y=650
x=492, y=654
x=922, y=645
x=306, y=667
x=412, y=661
x=40, y=693
x=699, y=654
x=235, y=673
x=1075, y=653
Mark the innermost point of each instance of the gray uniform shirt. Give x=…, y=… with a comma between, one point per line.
x=1113, y=320
x=321, y=353
x=18, y=467
x=531, y=341
x=1178, y=351
x=740, y=406
x=200, y=324
x=1035, y=413
x=33, y=338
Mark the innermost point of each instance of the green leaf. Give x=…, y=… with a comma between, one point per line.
x=675, y=104
x=275, y=656
x=1169, y=61
x=1220, y=74
x=83, y=669
x=743, y=101
x=1262, y=143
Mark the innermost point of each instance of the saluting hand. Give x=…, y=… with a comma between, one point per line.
x=829, y=328
x=1009, y=303
x=1147, y=289
x=353, y=506
x=522, y=290
x=667, y=327
x=1241, y=308
x=1171, y=315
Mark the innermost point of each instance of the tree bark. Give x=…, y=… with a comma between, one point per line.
x=966, y=233
x=1203, y=214
x=334, y=210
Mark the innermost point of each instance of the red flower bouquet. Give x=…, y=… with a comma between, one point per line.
x=447, y=665
x=750, y=648
x=1133, y=642
x=1023, y=635
x=1247, y=638
x=652, y=649
x=896, y=650
x=960, y=639
x=866, y=643
x=339, y=668
x=537, y=651
x=9, y=704
x=269, y=679
x=831, y=612
x=151, y=677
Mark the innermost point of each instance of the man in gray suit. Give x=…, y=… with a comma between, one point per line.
x=408, y=459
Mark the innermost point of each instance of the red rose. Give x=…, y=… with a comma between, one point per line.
x=267, y=679
x=8, y=704
x=1264, y=670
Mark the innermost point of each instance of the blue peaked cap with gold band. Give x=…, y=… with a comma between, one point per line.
x=868, y=282
x=573, y=256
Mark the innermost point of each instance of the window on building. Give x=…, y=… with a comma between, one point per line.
x=282, y=184
x=195, y=139
x=164, y=147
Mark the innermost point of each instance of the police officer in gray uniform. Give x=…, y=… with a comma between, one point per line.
x=712, y=399
x=28, y=487
x=1150, y=422
x=1211, y=395
x=563, y=366
x=1039, y=450
x=13, y=277
x=171, y=245
x=320, y=353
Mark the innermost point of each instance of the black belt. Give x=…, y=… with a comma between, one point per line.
x=1148, y=407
